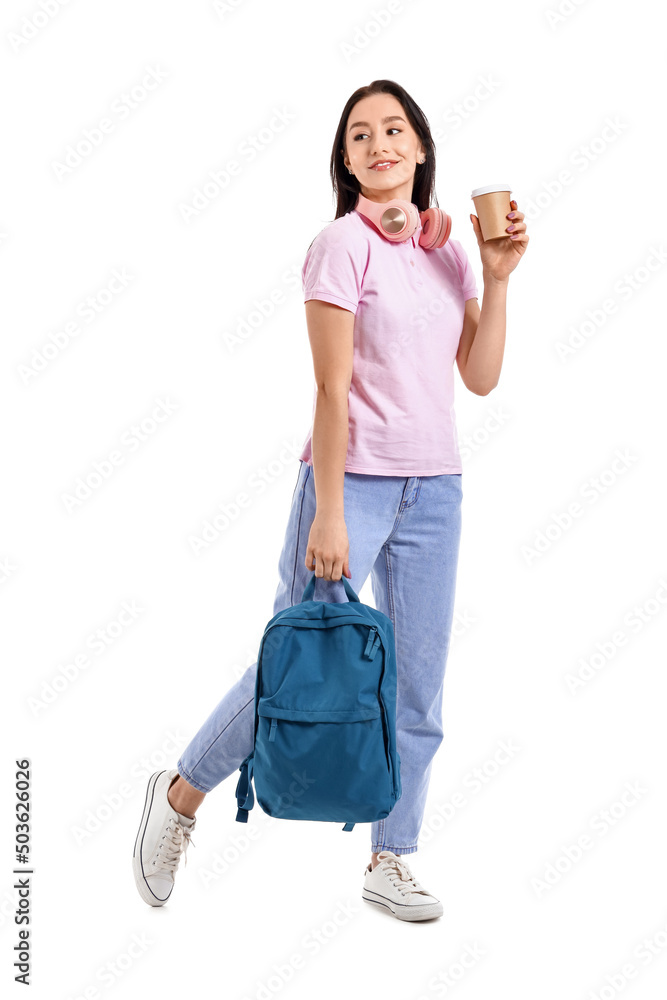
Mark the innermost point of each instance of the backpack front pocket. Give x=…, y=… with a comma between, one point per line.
x=326, y=763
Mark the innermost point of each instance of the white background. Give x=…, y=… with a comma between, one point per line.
x=511, y=92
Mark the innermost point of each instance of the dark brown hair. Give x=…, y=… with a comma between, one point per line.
x=346, y=186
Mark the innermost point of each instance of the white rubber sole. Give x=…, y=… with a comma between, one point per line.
x=404, y=911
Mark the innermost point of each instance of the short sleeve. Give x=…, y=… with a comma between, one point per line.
x=468, y=283
x=333, y=268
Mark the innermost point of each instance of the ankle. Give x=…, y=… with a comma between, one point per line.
x=183, y=797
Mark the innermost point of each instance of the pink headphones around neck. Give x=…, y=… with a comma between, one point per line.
x=398, y=220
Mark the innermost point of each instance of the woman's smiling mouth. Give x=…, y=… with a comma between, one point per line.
x=383, y=165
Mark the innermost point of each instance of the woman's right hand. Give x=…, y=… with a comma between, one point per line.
x=328, y=547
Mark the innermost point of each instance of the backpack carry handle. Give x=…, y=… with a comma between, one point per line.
x=310, y=589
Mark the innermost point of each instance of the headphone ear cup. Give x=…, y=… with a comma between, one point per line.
x=436, y=227
x=411, y=216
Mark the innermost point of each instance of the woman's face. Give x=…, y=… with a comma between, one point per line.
x=378, y=130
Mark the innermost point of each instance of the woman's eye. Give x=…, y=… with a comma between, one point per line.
x=361, y=134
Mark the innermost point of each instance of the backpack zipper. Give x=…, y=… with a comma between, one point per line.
x=373, y=643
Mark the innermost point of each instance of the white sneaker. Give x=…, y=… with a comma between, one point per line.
x=163, y=836
x=392, y=885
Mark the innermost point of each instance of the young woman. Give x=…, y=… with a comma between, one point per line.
x=379, y=475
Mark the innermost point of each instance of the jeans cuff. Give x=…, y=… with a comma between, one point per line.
x=191, y=781
x=376, y=848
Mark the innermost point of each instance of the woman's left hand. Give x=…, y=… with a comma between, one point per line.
x=500, y=257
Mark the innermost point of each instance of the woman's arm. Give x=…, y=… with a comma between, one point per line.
x=480, y=352
x=331, y=333
x=330, y=330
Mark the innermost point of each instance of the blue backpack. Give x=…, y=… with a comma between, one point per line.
x=325, y=715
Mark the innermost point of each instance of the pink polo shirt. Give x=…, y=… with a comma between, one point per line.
x=408, y=306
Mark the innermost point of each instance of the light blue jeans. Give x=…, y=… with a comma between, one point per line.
x=405, y=532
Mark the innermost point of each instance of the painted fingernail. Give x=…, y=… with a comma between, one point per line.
x=511, y=215
x=510, y=228
x=515, y=236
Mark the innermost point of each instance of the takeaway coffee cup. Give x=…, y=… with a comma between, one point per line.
x=492, y=204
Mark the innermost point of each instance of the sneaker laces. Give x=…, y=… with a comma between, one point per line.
x=400, y=876
x=174, y=842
